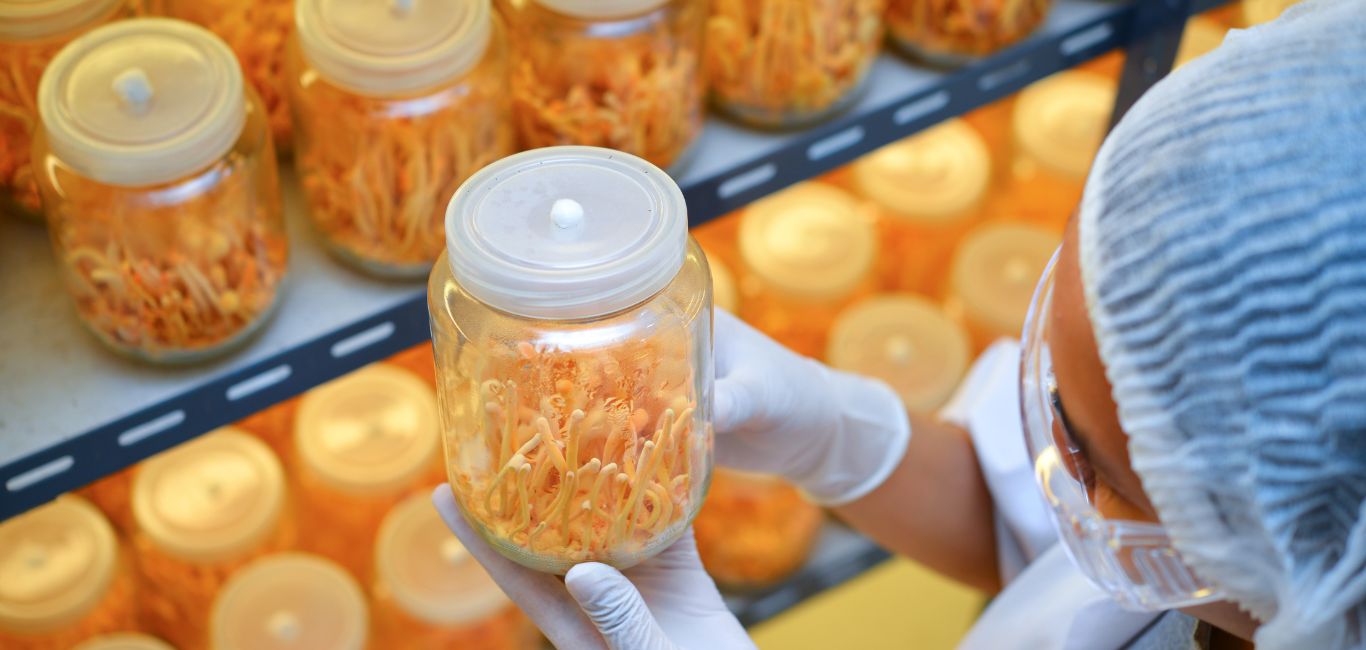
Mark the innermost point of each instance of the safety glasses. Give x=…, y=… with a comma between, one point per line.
x=1132, y=561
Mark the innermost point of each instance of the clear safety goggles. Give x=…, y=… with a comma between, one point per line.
x=1132, y=561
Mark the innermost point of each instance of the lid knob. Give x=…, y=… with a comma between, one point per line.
x=134, y=89
x=401, y=8
x=283, y=626
x=566, y=213
x=899, y=349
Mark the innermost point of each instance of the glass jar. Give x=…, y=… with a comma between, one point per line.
x=954, y=32
x=124, y=641
x=160, y=188
x=63, y=578
x=571, y=319
x=808, y=251
x=907, y=342
x=754, y=530
x=622, y=74
x=430, y=594
x=290, y=601
x=396, y=108
x=256, y=30
x=204, y=509
x=929, y=190
x=362, y=443
x=993, y=276
x=31, y=34
x=1058, y=125
x=779, y=63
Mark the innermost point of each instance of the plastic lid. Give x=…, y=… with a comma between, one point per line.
x=566, y=232
x=141, y=102
x=392, y=46
x=1256, y=12
x=211, y=498
x=906, y=341
x=288, y=602
x=723, y=291
x=995, y=271
x=56, y=564
x=374, y=430
x=1200, y=37
x=124, y=642
x=811, y=240
x=429, y=573
x=935, y=176
x=1061, y=120
x=35, y=19
x=602, y=8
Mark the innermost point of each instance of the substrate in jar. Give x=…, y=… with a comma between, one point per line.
x=290, y=601
x=161, y=190
x=397, y=104
x=624, y=75
x=362, y=443
x=754, y=530
x=429, y=593
x=954, y=32
x=124, y=641
x=906, y=341
x=993, y=277
x=783, y=64
x=63, y=579
x=204, y=509
x=929, y=190
x=808, y=251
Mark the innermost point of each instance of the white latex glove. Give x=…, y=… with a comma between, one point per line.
x=835, y=435
x=665, y=603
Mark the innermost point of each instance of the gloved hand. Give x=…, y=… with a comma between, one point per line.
x=835, y=435
x=666, y=603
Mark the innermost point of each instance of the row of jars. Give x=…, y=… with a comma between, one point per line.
x=308, y=526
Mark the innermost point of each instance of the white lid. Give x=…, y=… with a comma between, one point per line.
x=374, y=430
x=935, y=176
x=141, y=102
x=723, y=291
x=811, y=240
x=602, y=8
x=1061, y=121
x=56, y=564
x=428, y=572
x=382, y=47
x=290, y=601
x=995, y=270
x=211, y=498
x=126, y=641
x=566, y=232
x=1256, y=12
x=36, y=19
x=1200, y=37
x=906, y=341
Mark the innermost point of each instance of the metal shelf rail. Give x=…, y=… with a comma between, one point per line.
x=71, y=413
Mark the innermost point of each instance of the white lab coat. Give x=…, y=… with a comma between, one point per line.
x=1047, y=603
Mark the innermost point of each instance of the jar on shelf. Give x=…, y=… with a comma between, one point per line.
x=572, y=326
x=362, y=443
x=784, y=64
x=63, y=578
x=161, y=191
x=993, y=276
x=725, y=293
x=256, y=30
x=204, y=509
x=906, y=341
x=754, y=530
x=1058, y=125
x=397, y=103
x=124, y=641
x=929, y=190
x=1201, y=36
x=1256, y=12
x=954, y=32
x=621, y=74
x=31, y=34
x=290, y=601
x=808, y=251
x=429, y=593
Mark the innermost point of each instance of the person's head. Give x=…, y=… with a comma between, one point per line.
x=1207, y=338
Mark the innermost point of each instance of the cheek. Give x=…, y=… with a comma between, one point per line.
x=1113, y=506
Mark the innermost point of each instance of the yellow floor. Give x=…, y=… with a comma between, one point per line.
x=896, y=605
